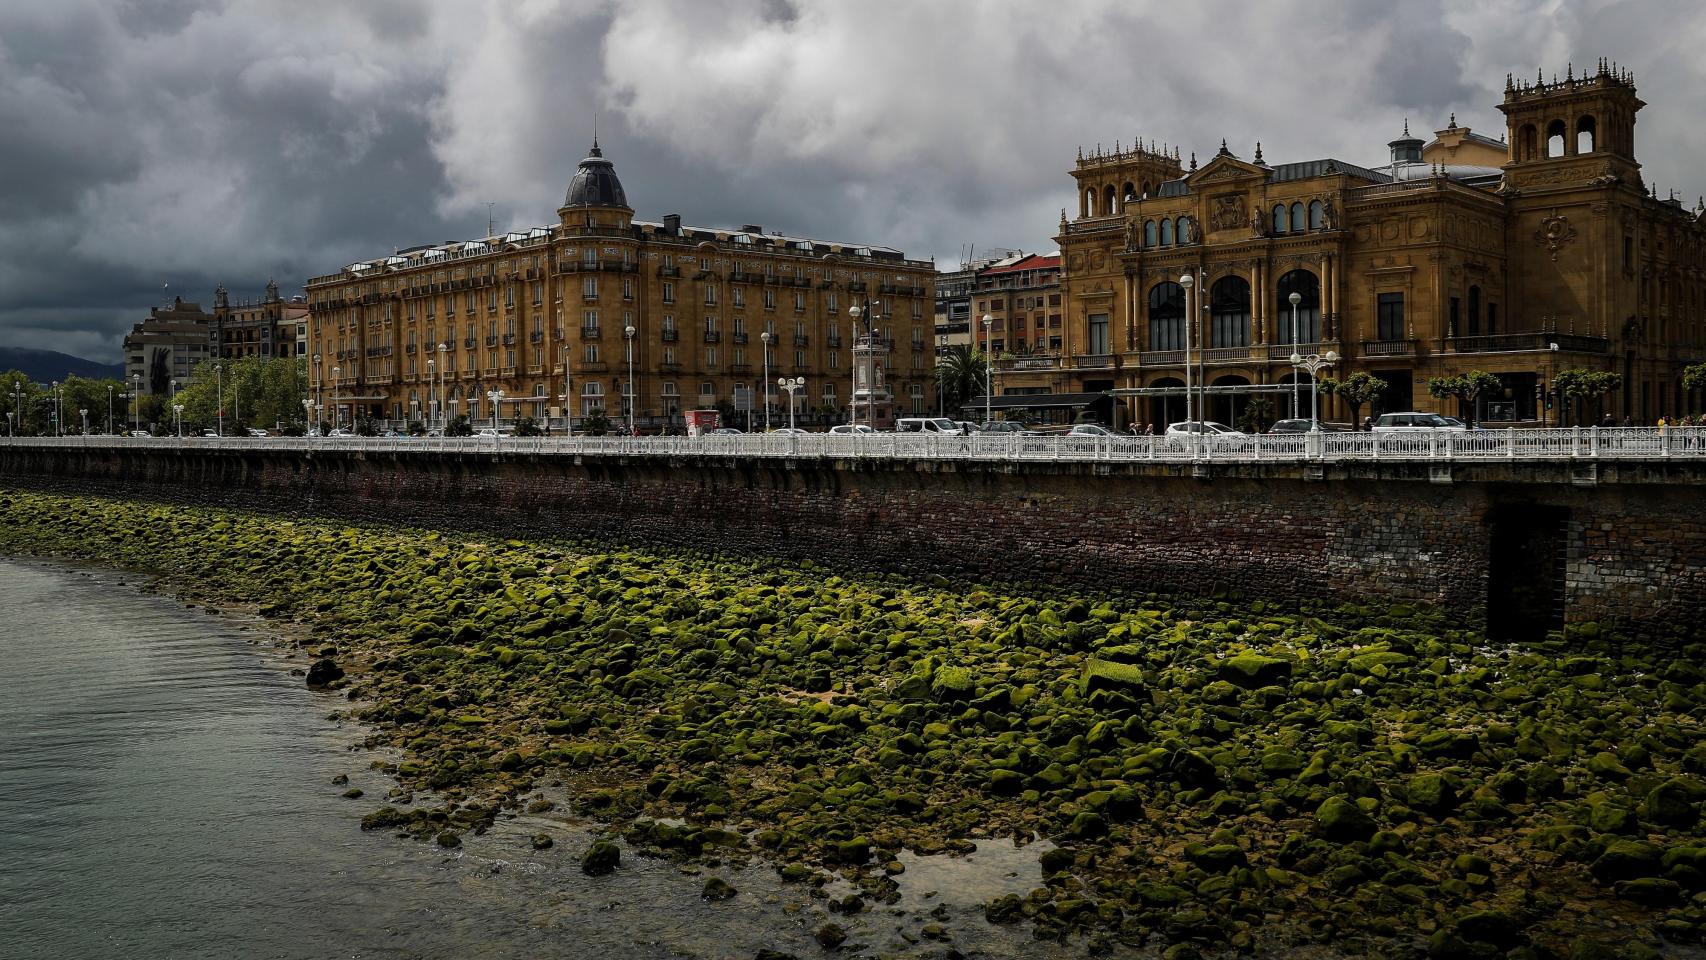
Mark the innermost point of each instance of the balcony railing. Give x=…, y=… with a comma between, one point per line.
x=801, y=340
x=1162, y=358
x=1282, y=351
x=590, y=333
x=1389, y=348
x=670, y=336
x=1093, y=361
x=739, y=337
x=1226, y=355
x=712, y=336
x=1526, y=342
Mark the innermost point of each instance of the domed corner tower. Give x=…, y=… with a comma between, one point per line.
x=1579, y=131
x=595, y=198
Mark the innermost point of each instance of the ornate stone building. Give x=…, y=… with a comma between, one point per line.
x=1523, y=256
x=552, y=313
x=167, y=346
x=269, y=327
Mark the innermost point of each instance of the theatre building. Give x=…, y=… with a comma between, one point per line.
x=1540, y=251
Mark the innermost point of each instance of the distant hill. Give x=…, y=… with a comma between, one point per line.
x=45, y=366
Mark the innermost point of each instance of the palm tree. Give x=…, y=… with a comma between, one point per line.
x=961, y=373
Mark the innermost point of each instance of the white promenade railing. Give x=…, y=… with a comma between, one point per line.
x=1578, y=443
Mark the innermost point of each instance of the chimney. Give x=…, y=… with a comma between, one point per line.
x=672, y=224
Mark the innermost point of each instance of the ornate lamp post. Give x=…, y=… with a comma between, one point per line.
x=58, y=420
x=84, y=413
x=178, y=418
x=308, y=413
x=988, y=365
x=136, y=402
x=1187, y=281
x=765, y=336
x=219, y=390
x=941, y=394
x=109, y=408
x=337, y=411
x=793, y=386
x=497, y=398
x=633, y=395
x=863, y=309
x=1314, y=363
x=1295, y=298
x=432, y=392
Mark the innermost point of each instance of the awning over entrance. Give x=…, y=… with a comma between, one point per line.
x=1042, y=408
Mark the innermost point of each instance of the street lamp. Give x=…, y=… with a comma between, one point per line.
x=863, y=309
x=1295, y=298
x=219, y=392
x=319, y=397
x=58, y=419
x=337, y=411
x=765, y=336
x=1187, y=281
x=792, y=385
x=178, y=418
x=308, y=414
x=432, y=397
x=109, y=409
x=497, y=398
x=84, y=413
x=941, y=394
x=988, y=322
x=1314, y=363
x=136, y=402
x=11, y=427
x=628, y=337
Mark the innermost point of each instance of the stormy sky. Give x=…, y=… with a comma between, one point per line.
x=191, y=142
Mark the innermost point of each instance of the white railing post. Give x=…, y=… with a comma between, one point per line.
x=1510, y=444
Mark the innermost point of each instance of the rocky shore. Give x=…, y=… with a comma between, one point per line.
x=1217, y=778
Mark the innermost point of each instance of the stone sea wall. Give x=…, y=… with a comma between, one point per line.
x=1536, y=549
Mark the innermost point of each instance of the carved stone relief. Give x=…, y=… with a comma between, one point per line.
x=1555, y=232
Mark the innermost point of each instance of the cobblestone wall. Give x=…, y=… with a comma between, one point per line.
x=1636, y=550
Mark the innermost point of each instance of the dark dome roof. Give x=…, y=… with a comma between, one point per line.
x=595, y=183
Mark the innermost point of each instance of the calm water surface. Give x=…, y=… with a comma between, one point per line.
x=166, y=792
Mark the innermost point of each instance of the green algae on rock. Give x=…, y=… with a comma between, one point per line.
x=1217, y=776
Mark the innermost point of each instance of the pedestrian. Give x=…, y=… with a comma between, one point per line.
x=1628, y=421
x=1608, y=421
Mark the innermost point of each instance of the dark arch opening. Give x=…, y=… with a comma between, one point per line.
x=1166, y=410
x=1555, y=139
x=1308, y=287
x=1586, y=131
x=1229, y=308
x=1167, y=316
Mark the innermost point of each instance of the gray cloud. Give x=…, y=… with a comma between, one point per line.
x=205, y=141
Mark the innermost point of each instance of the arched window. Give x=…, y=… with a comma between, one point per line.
x=1474, y=311
x=1147, y=189
x=1229, y=309
x=1297, y=218
x=1585, y=132
x=1555, y=139
x=1167, y=316
x=1090, y=202
x=1525, y=142
x=1166, y=233
x=1308, y=287
x=1317, y=215
x=1128, y=192
x=1109, y=200
x=1149, y=234
x=1186, y=227
x=1280, y=220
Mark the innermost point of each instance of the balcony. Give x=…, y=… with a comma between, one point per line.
x=670, y=335
x=1161, y=358
x=1282, y=351
x=409, y=348
x=1389, y=348
x=669, y=271
x=506, y=372
x=740, y=368
x=535, y=369
x=469, y=343
x=800, y=340
x=537, y=336
x=491, y=341
x=712, y=336
x=1093, y=361
x=619, y=266
x=834, y=340
x=1049, y=362
x=670, y=366
x=1226, y=355
x=594, y=366
x=590, y=333
x=739, y=337
x=1525, y=342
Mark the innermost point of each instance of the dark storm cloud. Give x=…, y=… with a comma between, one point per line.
x=194, y=142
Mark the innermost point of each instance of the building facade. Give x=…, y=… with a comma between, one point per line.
x=269, y=327
x=1521, y=257
x=556, y=317
x=167, y=346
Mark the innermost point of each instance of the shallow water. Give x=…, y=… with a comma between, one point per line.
x=166, y=791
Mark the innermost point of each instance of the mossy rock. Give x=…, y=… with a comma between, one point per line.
x=717, y=889
x=1627, y=860
x=601, y=858
x=1674, y=803
x=1431, y=793
x=1107, y=675
x=1253, y=670
x=1341, y=820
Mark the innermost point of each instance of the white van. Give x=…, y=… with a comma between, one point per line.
x=926, y=425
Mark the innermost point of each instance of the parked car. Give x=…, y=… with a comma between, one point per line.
x=258, y=432
x=489, y=433
x=926, y=425
x=1302, y=426
x=1003, y=426
x=851, y=428
x=340, y=432
x=727, y=430
x=795, y=431
x=1090, y=430
x=1414, y=422
x=1207, y=433
x=966, y=426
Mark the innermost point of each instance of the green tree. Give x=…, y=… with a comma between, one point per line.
x=1694, y=377
x=596, y=424
x=1356, y=390
x=1580, y=388
x=1257, y=417
x=961, y=373
x=1466, y=389
x=20, y=400
x=459, y=427
x=527, y=427
x=254, y=391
